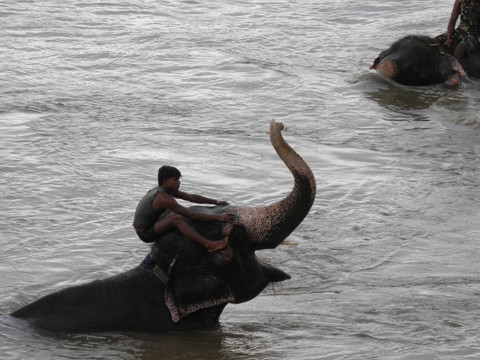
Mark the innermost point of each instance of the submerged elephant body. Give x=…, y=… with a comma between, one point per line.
x=417, y=60
x=180, y=285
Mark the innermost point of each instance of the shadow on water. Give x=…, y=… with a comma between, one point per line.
x=209, y=344
x=405, y=99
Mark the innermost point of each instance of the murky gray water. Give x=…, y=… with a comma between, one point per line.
x=97, y=95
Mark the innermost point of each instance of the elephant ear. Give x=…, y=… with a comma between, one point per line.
x=189, y=290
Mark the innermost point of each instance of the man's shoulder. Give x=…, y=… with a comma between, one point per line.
x=162, y=196
x=162, y=200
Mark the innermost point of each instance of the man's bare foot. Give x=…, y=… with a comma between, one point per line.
x=216, y=245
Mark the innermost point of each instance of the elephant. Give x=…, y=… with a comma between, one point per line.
x=418, y=60
x=180, y=285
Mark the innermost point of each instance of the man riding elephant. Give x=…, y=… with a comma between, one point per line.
x=180, y=284
x=422, y=60
x=466, y=37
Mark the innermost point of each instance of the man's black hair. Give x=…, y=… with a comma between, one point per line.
x=166, y=172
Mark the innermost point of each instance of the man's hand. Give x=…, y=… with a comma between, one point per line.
x=228, y=218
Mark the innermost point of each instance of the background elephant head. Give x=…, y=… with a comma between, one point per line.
x=180, y=285
x=417, y=60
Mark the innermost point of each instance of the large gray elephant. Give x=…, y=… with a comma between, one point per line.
x=180, y=285
x=418, y=60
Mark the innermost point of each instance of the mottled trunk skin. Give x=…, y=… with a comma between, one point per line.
x=268, y=226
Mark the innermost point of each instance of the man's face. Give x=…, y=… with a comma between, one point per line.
x=172, y=183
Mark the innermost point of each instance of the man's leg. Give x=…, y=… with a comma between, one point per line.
x=176, y=221
x=460, y=50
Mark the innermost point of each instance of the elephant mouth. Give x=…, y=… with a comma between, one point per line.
x=273, y=273
x=277, y=275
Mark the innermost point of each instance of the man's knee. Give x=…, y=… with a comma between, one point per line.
x=176, y=220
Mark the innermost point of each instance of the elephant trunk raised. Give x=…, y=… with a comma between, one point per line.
x=268, y=226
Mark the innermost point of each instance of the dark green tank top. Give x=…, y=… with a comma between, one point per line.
x=145, y=214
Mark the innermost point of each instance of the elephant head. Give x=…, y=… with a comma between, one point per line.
x=417, y=60
x=200, y=280
x=180, y=285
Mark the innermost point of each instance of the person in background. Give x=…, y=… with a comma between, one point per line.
x=466, y=37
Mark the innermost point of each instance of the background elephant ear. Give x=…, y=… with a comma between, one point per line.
x=190, y=290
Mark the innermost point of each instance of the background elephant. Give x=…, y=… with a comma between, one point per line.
x=415, y=60
x=180, y=285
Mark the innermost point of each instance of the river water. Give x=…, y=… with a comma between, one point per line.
x=96, y=95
